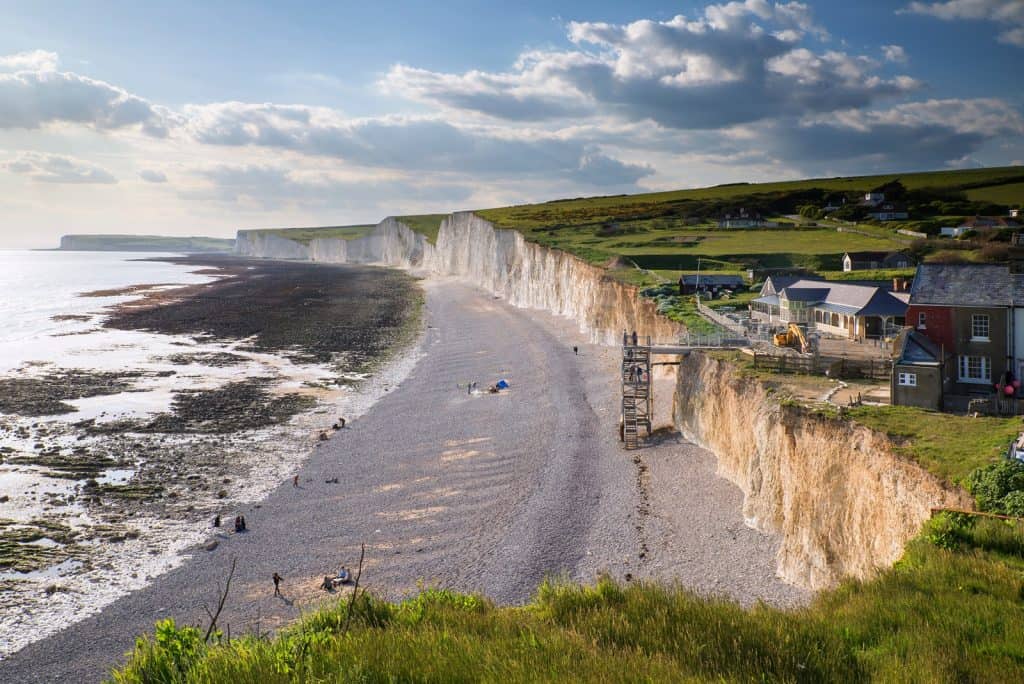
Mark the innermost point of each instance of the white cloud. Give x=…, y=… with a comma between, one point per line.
x=737, y=62
x=1009, y=14
x=34, y=60
x=153, y=176
x=55, y=168
x=36, y=95
x=894, y=53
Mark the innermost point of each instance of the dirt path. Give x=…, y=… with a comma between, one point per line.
x=486, y=493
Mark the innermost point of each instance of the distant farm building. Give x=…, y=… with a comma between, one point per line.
x=689, y=284
x=744, y=219
x=866, y=261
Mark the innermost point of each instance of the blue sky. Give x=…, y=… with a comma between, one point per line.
x=185, y=118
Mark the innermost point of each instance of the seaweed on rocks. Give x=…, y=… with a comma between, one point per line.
x=47, y=394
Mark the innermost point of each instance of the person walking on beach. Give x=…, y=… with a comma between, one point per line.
x=277, y=584
x=216, y=520
x=576, y=350
x=295, y=481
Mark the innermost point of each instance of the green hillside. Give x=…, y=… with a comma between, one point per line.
x=144, y=243
x=307, y=235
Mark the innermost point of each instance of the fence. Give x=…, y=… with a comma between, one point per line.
x=814, y=365
x=720, y=320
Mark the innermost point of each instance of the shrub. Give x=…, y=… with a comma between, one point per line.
x=992, y=483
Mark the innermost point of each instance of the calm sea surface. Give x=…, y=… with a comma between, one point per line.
x=35, y=286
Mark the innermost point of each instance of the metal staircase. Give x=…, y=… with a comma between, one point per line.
x=637, y=401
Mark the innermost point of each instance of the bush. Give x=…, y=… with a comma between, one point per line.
x=992, y=484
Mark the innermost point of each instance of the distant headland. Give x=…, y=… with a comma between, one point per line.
x=144, y=243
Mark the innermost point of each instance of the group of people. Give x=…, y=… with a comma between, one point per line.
x=627, y=338
x=636, y=374
x=239, y=522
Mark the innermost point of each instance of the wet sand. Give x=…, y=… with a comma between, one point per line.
x=488, y=493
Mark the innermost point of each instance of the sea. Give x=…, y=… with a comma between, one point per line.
x=48, y=325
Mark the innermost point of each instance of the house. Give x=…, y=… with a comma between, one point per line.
x=766, y=307
x=986, y=223
x=975, y=312
x=688, y=284
x=888, y=211
x=744, y=219
x=873, y=198
x=953, y=231
x=866, y=261
x=920, y=374
x=839, y=309
x=834, y=203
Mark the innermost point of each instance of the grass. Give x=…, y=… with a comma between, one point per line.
x=886, y=274
x=600, y=209
x=426, y=224
x=1011, y=194
x=950, y=610
x=307, y=235
x=948, y=446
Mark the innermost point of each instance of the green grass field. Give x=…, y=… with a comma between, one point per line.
x=427, y=224
x=1011, y=193
x=600, y=209
x=307, y=235
x=952, y=610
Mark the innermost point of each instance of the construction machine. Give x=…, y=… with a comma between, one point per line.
x=793, y=337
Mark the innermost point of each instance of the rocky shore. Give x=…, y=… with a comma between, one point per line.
x=105, y=465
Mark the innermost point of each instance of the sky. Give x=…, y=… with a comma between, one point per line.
x=199, y=118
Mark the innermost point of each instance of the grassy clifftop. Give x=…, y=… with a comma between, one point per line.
x=951, y=610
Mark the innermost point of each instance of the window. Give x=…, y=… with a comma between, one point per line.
x=979, y=327
x=976, y=369
x=907, y=379
x=921, y=320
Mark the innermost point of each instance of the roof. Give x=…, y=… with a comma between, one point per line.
x=845, y=298
x=867, y=256
x=966, y=285
x=912, y=347
x=776, y=283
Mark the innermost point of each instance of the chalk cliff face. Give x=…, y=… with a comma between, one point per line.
x=843, y=502
x=499, y=261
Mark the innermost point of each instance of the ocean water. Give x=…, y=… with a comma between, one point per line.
x=36, y=287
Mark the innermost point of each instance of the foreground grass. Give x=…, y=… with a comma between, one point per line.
x=951, y=610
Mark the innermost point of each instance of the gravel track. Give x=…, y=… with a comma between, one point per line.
x=488, y=493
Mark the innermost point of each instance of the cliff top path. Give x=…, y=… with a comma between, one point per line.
x=487, y=493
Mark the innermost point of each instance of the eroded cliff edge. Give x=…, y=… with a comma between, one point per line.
x=844, y=503
x=499, y=261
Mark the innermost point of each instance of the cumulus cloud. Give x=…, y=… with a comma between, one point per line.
x=34, y=94
x=1009, y=14
x=894, y=53
x=55, y=168
x=916, y=135
x=272, y=187
x=153, y=176
x=34, y=60
x=738, y=62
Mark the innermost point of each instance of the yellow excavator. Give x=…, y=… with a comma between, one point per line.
x=793, y=337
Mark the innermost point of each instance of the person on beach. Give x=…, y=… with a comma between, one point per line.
x=634, y=338
x=216, y=520
x=295, y=481
x=576, y=350
x=277, y=584
x=341, y=421
x=625, y=339
x=243, y=522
